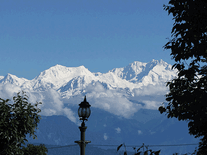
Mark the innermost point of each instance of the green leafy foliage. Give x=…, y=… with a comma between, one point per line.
x=17, y=119
x=188, y=91
x=35, y=149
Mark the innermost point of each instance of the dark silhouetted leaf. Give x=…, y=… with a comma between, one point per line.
x=119, y=147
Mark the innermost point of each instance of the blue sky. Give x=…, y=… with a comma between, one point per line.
x=99, y=34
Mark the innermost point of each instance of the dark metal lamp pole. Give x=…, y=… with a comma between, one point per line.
x=84, y=112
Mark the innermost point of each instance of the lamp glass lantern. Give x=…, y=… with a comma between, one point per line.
x=84, y=110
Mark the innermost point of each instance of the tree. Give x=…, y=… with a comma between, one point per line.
x=17, y=120
x=35, y=149
x=187, y=97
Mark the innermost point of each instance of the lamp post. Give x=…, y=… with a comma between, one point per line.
x=84, y=112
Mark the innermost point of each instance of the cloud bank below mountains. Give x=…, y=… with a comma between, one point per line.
x=111, y=100
x=119, y=103
x=116, y=102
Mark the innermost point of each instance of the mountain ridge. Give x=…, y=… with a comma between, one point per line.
x=138, y=85
x=57, y=76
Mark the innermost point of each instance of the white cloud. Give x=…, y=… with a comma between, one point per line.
x=151, y=104
x=70, y=114
x=152, y=95
x=105, y=136
x=118, y=130
x=112, y=101
x=117, y=102
x=139, y=132
x=51, y=100
x=95, y=87
x=49, y=112
x=8, y=91
x=152, y=90
x=53, y=105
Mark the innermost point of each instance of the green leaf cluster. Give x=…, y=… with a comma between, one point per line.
x=17, y=119
x=35, y=149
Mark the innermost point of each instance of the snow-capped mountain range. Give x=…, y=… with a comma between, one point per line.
x=62, y=79
x=119, y=91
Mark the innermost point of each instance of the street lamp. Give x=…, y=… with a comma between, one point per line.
x=84, y=112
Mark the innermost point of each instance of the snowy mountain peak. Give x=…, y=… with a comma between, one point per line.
x=137, y=63
x=136, y=71
x=60, y=72
x=13, y=79
x=129, y=72
x=60, y=67
x=158, y=62
x=59, y=75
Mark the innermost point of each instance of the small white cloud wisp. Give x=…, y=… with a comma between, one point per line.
x=118, y=130
x=105, y=136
